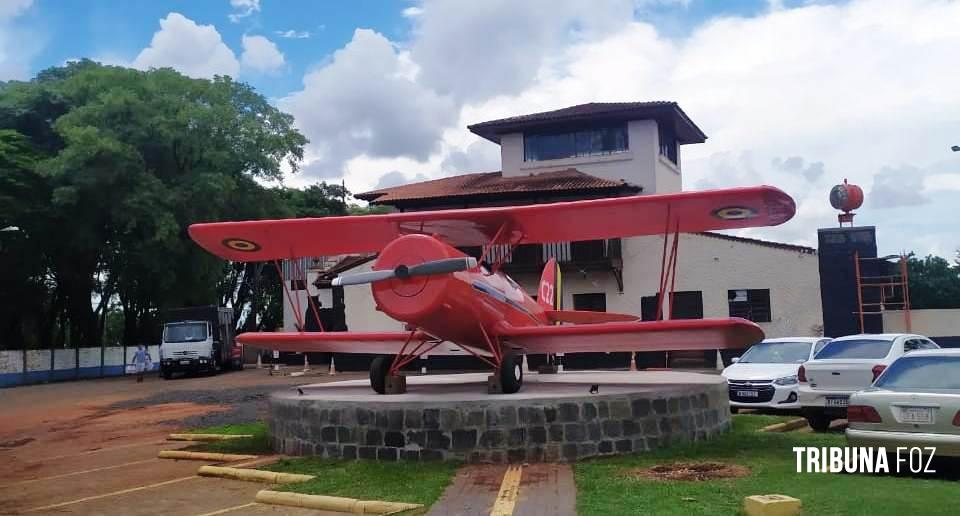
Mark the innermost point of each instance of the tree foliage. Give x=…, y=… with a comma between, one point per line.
x=934, y=283
x=103, y=168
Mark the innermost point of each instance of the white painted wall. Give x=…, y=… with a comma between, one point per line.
x=931, y=322
x=11, y=361
x=640, y=165
x=361, y=311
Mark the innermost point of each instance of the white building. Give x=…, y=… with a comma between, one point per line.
x=615, y=149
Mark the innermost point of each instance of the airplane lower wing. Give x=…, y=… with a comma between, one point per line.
x=379, y=343
x=586, y=317
x=673, y=335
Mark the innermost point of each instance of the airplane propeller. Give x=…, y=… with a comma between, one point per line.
x=445, y=266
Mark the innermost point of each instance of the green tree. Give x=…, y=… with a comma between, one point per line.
x=934, y=283
x=123, y=162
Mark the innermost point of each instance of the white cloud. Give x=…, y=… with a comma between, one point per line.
x=798, y=97
x=364, y=102
x=12, y=8
x=412, y=12
x=243, y=8
x=477, y=50
x=292, y=34
x=260, y=54
x=192, y=49
x=18, y=45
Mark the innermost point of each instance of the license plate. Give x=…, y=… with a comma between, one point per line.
x=916, y=415
x=184, y=362
x=838, y=401
x=748, y=394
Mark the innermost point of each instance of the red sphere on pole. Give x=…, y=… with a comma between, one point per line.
x=846, y=197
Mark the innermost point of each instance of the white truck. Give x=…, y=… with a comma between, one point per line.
x=199, y=340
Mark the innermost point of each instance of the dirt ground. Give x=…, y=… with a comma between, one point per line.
x=90, y=447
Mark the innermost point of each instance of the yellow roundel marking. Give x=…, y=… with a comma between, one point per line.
x=735, y=213
x=239, y=244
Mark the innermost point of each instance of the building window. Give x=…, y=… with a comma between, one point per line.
x=750, y=304
x=590, y=302
x=542, y=146
x=669, y=147
x=686, y=305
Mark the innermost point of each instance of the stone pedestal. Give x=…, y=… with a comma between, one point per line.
x=451, y=417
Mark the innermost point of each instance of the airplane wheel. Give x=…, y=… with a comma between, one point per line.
x=511, y=373
x=378, y=374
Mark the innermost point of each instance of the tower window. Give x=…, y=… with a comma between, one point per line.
x=599, y=141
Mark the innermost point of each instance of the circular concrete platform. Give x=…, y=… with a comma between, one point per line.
x=451, y=417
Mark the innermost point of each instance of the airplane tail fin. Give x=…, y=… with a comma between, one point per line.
x=550, y=293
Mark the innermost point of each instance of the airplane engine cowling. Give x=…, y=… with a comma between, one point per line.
x=413, y=300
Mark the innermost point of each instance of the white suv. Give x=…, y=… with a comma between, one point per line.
x=846, y=365
x=766, y=375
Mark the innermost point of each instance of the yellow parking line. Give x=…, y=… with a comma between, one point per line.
x=228, y=509
x=32, y=480
x=108, y=495
x=509, y=491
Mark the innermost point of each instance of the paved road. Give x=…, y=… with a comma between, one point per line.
x=90, y=447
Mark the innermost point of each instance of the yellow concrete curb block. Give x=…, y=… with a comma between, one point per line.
x=787, y=426
x=207, y=437
x=771, y=505
x=252, y=475
x=334, y=503
x=212, y=457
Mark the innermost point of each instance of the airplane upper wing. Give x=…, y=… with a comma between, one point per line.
x=591, y=219
x=373, y=342
x=672, y=335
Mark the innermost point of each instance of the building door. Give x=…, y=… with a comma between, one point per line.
x=594, y=302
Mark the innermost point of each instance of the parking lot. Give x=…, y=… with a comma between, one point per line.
x=90, y=447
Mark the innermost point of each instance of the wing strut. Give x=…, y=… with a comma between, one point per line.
x=668, y=268
x=290, y=297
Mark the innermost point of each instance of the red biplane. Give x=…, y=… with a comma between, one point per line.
x=443, y=295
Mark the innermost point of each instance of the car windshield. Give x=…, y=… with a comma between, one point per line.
x=855, y=348
x=777, y=353
x=925, y=373
x=185, y=332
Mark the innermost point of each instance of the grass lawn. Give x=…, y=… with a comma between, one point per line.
x=366, y=480
x=258, y=444
x=369, y=480
x=603, y=488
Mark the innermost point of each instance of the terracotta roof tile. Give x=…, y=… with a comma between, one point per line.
x=493, y=183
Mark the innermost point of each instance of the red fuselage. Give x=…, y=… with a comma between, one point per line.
x=458, y=307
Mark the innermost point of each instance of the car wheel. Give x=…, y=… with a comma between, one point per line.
x=511, y=373
x=734, y=410
x=378, y=374
x=819, y=422
x=167, y=375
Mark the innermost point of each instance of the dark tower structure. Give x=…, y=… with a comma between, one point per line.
x=841, y=294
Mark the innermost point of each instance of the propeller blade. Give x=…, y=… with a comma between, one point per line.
x=445, y=266
x=363, y=277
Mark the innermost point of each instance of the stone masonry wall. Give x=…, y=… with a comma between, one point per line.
x=499, y=431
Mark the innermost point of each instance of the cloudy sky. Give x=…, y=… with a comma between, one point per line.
x=797, y=94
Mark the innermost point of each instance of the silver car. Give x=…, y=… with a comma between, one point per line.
x=914, y=403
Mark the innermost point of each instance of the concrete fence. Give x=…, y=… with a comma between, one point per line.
x=23, y=367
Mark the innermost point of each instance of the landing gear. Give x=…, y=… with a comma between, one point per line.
x=382, y=381
x=511, y=373
x=379, y=369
